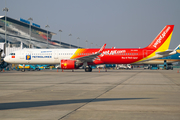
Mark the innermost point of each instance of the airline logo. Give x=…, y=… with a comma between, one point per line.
x=41, y=56
x=13, y=56
x=28, y=57
x=65, y=64
x=178, y=50
x=161, y=37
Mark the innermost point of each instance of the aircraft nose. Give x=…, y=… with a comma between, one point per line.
x=6, y=59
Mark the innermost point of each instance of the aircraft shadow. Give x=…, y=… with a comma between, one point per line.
x=17, y=105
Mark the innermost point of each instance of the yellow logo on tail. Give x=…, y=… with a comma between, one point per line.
x=178, y=50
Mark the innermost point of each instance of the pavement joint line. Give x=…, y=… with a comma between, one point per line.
x=99, y=95
x=38, y=88
x=170, y=79
x=32, y=89
x=71, y=82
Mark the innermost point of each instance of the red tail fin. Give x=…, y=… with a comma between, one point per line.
x=162, y=41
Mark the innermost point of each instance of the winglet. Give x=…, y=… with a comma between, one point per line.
x=102, y=48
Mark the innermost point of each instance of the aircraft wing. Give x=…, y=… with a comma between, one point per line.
x=90, y=58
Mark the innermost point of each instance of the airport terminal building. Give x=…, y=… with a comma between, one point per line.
x=24, y=34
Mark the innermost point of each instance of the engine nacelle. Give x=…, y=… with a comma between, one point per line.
x=68, y=64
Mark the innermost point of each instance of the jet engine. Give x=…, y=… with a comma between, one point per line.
x=69, y=64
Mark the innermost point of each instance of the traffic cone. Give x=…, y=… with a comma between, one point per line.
x=3, y=70
x=62, y=70
x=99, y=70
x=177, y=71
x=57, y=69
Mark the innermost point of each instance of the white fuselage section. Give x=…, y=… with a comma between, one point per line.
x=40, y=56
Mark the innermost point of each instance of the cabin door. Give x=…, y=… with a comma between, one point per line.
x=55, y=54
x=22, y=55
x=146, y=53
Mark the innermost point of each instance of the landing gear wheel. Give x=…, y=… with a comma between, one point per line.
x=23, y=70
x=88, y=69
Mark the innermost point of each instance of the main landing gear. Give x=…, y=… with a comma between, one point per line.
x=88, y=69
x=23, y=69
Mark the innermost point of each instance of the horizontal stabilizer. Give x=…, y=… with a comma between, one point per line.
x=165, y=53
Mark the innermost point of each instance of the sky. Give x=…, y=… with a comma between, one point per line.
x=118, y=23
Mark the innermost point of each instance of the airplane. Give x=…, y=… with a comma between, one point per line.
x=75, y=58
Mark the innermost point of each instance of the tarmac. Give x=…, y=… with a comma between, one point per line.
x=136, y=94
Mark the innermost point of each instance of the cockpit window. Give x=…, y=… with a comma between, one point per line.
x=12, y=54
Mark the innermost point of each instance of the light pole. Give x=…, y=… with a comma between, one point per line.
x=86, y=43
x=47, y=26
x=60, y=36
x=70, y=39
x=6, y=10
x=30, y=32
x=91, y=45
x=78, y=41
